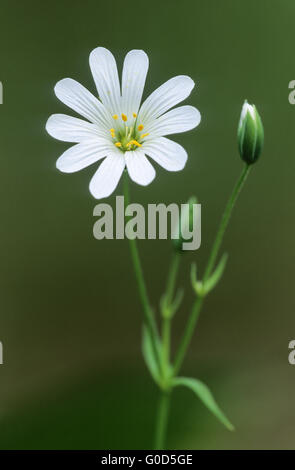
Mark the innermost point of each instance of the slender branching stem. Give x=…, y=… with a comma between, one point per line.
x=224, y=221
x=163, y=356
x=174, y=267
x=149, y=318
x=166, y=322
x=165, y=392
x=162, y=419
x=193, y=318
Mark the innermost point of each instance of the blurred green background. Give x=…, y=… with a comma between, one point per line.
x=70, y=320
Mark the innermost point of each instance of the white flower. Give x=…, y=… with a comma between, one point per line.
x=117, y=128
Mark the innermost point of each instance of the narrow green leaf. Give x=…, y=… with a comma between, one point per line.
x=216, y=276
x=168, y=310
x=149, y=356
x=163, y=306
x=203, y=392
x=177, y=301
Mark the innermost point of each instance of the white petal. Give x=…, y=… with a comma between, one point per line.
x=82, y=155
x=139, y=168
x=106, y=178
x=71, y=129
x=181, y=119
x=105, y=73
x=78, y=98
x=135, y=69
x=165, y=97
x=166, y=153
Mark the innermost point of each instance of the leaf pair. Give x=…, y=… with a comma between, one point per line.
x=202, y=288
x=198, y=387
x=168, y=309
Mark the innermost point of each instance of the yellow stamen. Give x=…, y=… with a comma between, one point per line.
x=112, y=131
x=140, y=127
x=124, y=117
x=118, y=144
x=134, y=115
x=144, y=135
x=133, y=142
x=115, y=116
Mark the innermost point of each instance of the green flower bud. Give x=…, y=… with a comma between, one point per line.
x=189, y=219
x=250, y=134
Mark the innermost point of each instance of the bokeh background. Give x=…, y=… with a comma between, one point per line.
x=70, y=319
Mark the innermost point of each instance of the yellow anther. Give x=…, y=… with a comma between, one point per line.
x=115, y=116
x=124, y=117
x=118, y=144
x=140, y=127
x=144, y=135
x=134, y=115
x=134, y=142
x=112, y=131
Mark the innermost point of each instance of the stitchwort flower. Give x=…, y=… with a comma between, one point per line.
x=118, y=129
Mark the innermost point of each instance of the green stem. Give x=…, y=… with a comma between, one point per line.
x=186, y=339
x=224, y=221
x=147, y=310
x=163, y=409
x=162, y=419
x=172, y=276
x=191, y=324
x=166, y=334
x=166, y=325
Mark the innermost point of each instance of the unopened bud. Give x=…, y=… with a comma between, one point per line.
x=250, y=134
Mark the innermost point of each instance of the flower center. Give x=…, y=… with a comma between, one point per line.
x=125, y=137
